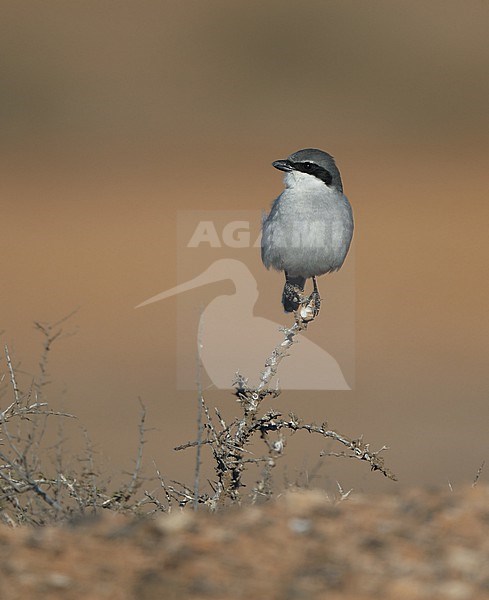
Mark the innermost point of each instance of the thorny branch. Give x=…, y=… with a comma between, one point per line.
x=30, y=490
x=228, y=442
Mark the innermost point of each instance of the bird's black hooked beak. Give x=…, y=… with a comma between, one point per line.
x=283, y=165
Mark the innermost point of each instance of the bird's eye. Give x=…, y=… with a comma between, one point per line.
x=307, y=166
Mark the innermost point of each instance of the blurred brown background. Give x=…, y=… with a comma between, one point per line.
x=114, y=115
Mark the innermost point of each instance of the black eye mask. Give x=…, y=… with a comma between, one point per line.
x=313, y=169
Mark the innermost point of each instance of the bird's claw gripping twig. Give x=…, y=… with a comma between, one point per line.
x=309, y=307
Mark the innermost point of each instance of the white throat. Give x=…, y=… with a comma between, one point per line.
x=302, y=180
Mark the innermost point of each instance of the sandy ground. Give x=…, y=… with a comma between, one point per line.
x=421, y=544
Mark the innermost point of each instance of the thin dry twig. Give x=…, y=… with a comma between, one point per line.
x=200, y=400
x=478, y=474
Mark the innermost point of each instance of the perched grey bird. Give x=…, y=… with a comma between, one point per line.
x=310, y=226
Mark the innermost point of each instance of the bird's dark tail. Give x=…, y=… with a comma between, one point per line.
x=293, y=288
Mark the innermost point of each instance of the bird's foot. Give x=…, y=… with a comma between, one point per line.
x=310, y=306
x=292, y=297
